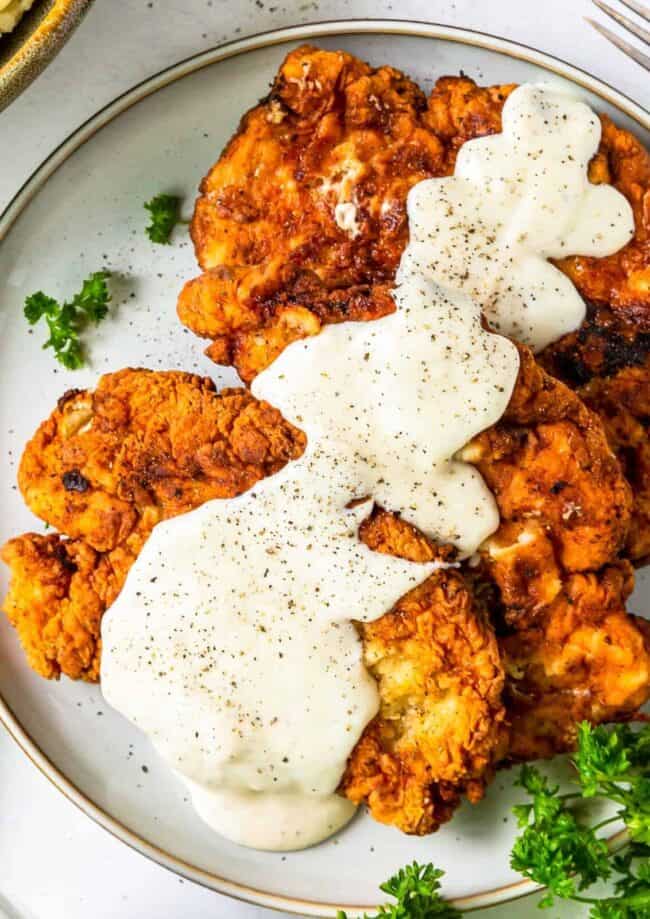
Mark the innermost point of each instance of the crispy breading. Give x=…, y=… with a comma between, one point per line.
x=571, y=651
x=583, y=657
x=440, y=727
x=549, y=466
x=623, y=403
x=104, y=468
x=608, y=364
x=145, y=446
x=335, y=131
x=58, y=593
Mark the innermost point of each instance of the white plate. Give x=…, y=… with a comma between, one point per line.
x=82, y=210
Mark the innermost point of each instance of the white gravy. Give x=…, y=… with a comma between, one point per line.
x=231, y=644
x=515, y=200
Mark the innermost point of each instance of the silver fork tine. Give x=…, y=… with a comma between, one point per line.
x=625, y=47
x=624, y=21
x=637, y=8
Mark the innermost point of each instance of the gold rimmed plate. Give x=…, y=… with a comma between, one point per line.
x=82, y=210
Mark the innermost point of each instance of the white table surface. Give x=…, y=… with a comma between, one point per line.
x=54, y=862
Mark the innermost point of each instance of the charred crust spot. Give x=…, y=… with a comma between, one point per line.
x=73, y=480
x=67, y=395
x=571, y=369
x=605, y=345
x=619, y=352
x=558, y=486
x=61, y=555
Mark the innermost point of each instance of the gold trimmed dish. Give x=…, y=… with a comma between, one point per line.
x=163, y=135
x=36, y=39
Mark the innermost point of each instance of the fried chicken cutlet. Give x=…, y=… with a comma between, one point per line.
x=106, y=466
x=549, y=574
x=441, y=728
x=435, y=657
x=281, y=255
x=570, y=649
x=406, y=778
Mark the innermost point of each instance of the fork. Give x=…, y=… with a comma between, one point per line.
x=630, y=25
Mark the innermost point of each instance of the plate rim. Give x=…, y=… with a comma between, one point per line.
x=28, y=191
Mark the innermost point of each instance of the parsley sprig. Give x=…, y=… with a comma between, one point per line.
x=557, y=848
x=66, y=321
x=560, y=851
x=416, y=889
x=165, y=211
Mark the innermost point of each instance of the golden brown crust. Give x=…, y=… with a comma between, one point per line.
x=331, y=127
x=584, y=658
x=623, y=403
x=384, y=532
x=553, y=475
x=55, y=604
x=436, y=737
x=571, y=651
x=608, y=364
x=104, y=468
x=145, y=446
x=458, y=110
x=277, y=266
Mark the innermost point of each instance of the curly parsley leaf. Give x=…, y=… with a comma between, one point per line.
x=38, y=305
x=93, y=298
x=72, y=356
x=632, y=900
x=561, y=855
x=165, y=211
x=559, y=851
x=416, y=889
x=602, y=757
x=615, y=764
x=554, y=850
x=66, y=321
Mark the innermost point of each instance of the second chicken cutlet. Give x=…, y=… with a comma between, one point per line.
x=558, y=586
